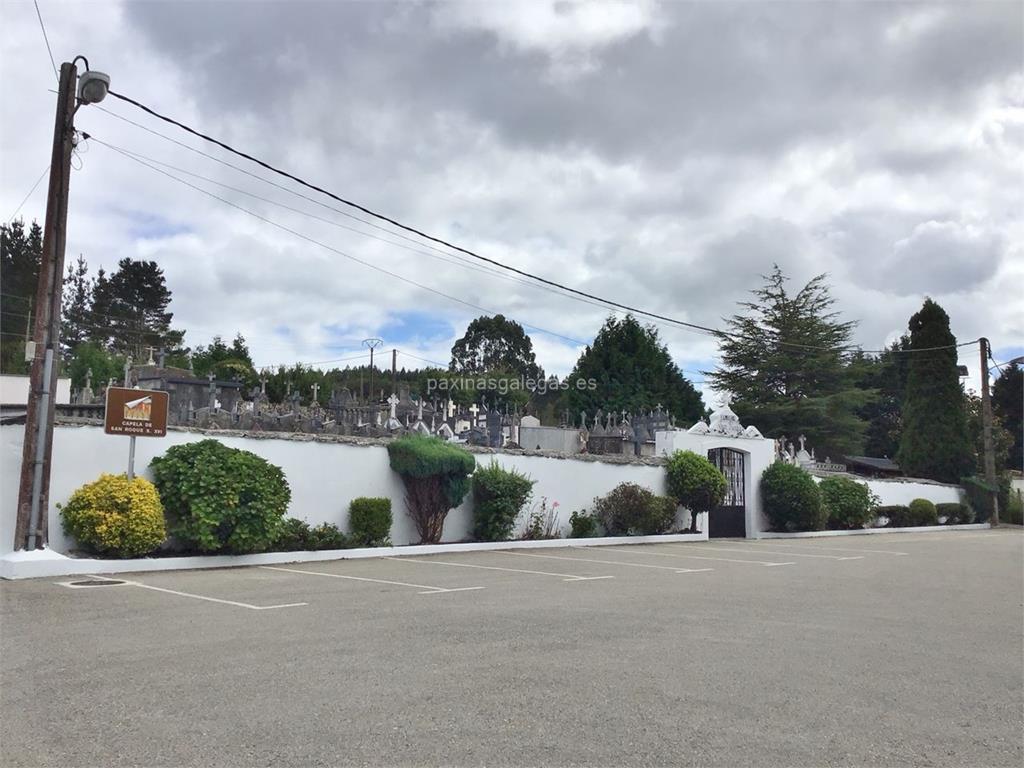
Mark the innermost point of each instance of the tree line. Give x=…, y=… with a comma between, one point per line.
x=786, y=357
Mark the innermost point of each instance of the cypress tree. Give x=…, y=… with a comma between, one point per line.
x=935, y=442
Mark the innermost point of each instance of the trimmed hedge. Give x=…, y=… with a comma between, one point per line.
x=582, y=526
x=221, y=499
x=695, y=483
x=897, y=514
x=436, y=477
x=848, y=504
x=631, y=510
x=499, y=495
x=955, y=513
x=297, y=536
x=791, y=499
x=115, y=516
x=369, y=519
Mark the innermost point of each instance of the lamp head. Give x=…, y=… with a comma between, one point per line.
x=92, y=87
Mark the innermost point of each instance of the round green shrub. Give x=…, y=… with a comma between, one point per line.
x=498, y=497
x=369, y=519
x=115, y=516
x=922, y=512
x=436, y=478
x=848, y=504
x=631, y=510
x=695, y=483
x=791, y=499
x=221, y=499
x=327, y=536
x=582, y=526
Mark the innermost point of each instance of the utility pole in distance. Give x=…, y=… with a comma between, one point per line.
x=986, y=431
x=34, y=487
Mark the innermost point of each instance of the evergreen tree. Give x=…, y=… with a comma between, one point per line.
x=786, y=361
x=1008, y=406
x=495, y=344
x=885, y=378
x=134, y=301
x=935, y=442
x=20, y=256
x=76, y=307
x=633, y=371
x=225, y=362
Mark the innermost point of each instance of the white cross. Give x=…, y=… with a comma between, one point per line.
x=801, y=439
x=393, y=402
x=474, y=410
x=316, y=391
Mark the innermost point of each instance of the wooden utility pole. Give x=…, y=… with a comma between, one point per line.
x=986, y=431
x=34, y=488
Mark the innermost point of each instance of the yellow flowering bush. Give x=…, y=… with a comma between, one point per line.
x=115, y=516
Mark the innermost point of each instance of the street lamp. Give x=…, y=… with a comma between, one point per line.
x=37, y=449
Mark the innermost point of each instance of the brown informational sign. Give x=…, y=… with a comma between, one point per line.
x=136, y=412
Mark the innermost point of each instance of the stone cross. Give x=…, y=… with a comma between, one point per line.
x=288, y=389
x=393, y=402
x=263, y=383
x=419, y=414
x=213, y=390
x=88, y=379
x=316, y=391
x=801, y=439
x=151, y=361
x=725, y=399
x=474, y=409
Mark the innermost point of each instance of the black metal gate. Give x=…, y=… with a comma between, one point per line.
x=730, y=519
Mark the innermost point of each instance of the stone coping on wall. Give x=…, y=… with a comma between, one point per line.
x=307, y=437
x=863, y=531
x=46, y=562
x=863, y=479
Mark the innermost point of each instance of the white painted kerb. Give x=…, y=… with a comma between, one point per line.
x=17, y=566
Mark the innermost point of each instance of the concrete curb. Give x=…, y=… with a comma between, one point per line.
x=18, y=566
x=864, y=531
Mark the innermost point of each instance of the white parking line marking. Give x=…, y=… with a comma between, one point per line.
x=430, y=590
x=785, y=554
x=612, y=562
x=765, y=563
x=215, y=599
x=564, y=576
x=759, y=545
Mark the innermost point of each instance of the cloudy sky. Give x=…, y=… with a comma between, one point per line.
x=663, y=155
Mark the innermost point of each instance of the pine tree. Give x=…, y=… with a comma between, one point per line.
x=20, y=256
x=935, y=443
x=76, y=307
x=786, y=361
x=633, y=371
x=885, y=378
x=135, y=303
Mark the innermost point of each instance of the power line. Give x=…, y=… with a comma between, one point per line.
x=440, y=255
x=46, y=39
x=46, y=170
x=441, y=241
x=341, y=253
x=468, y=252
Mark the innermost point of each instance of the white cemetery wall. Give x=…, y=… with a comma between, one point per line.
x=553, y=439
x=324, y=477
x=14, y=390
x=892, y=491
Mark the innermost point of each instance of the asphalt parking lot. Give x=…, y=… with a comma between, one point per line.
x=895, y=649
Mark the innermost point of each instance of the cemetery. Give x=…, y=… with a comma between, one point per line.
x=330, y=461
